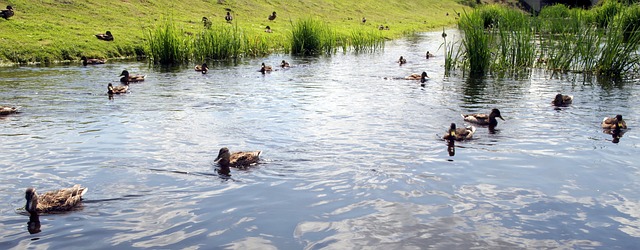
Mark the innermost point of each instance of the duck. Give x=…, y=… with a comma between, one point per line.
x=272, y=16
x=202, y=68
x=206, y=22
x=86, y=61
x=237, y=159
x=121, y=89
x=106, y=37
x=562, y=100
x=402, y=60
x=364, y=20
x=459, y=134
x=268, y=29
x=484, y=119
x=265, y=68
x=284, y=64
x=6, y=110
x=423, y=79
x=616, y=123
x=7, y=13
x=228, y=17
x=429, y=55
x=127, y=78
x=416, y=76
x=62, y=200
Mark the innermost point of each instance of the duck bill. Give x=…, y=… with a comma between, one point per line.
x=501, y=118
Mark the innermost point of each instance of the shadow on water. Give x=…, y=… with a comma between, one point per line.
x=473, y=90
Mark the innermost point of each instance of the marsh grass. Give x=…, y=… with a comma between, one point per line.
x=502, y=40
x=311, y=37
x=168, y=45
x=365, y=40
x=218, y=42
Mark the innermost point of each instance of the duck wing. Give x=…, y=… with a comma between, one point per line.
x=481, y=119
x=242, y=159
x=61, y=200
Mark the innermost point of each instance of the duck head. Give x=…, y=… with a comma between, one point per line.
x=32, y=200
x=108, y=33
x=452, y=131
x=558, y=100
x=495, y=113
x=619, y=121
x=223, y=157
x=205, y=68
x=110, y=89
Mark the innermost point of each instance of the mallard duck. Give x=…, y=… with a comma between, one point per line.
x=459, y=134
x=284, y=64
x=423, y=78
x=272, y=16
x=54, y=201
x=484, y=119
x=202, y=68
x=206, y=22
x=5, y=110
x=614, y=123
x=429, y=55
x=268, y=29
x=127, y=78
x=228, y=17
x=402, y=60
x=364, y=20
x=121, y=89
x=562, y=100
x=237, y=159
x=265, y=68
x=416, y=76
x=7, y=13
x=86, y=61
x=106, y=37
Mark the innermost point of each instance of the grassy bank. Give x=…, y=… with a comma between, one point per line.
x=57, y=30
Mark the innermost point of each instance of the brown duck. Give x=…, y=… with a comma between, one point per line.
x=237, y=159
x=562, y=100
x=484, y=119
x=86, y=61
x=117, y=89
x=65, y=199
x=614, y=123
x=202, y=68
x=459, y=134
x=5, y=110
x=106, y=36
x=127, y=78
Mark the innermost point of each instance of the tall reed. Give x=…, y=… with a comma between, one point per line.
x=362, y=40
x=310, y=37
x=476, y=43
x=168, y=45
x=218, y=42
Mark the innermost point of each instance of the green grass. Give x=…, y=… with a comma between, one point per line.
x=57, y=30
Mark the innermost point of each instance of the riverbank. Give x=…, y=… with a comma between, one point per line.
x=64, y=30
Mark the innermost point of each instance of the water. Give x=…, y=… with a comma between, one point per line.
x=350, y=159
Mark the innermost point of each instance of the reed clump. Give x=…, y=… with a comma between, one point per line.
x=219, y=42
x=168, y=45
x=563, y=39
x=363, y=40
x=311, y=37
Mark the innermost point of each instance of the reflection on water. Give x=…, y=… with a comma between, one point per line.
x=351, y=160
x=33, y=226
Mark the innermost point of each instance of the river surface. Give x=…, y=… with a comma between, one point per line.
x=350, y=159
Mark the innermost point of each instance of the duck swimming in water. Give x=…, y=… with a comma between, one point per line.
x=484, y=119
x=5, y=110
x=459, y=134
x=86, y=61
x=237, y=159
x=127, y=78
x=265, y=68
x=402, y=60
x=117, y=89
x=562, y=100
x=616, y=123
x=284, y=64
x=202, y=68
x=65, y=199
